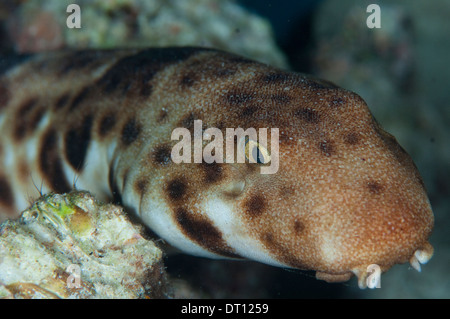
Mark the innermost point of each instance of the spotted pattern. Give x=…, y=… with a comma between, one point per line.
x=102, y=120
x=298, y=227
x=352, y=138
x=249, y=111
x=237, y=98
x=374, y=187
x=142, y=67
x=162, y=155
x=255, y=205
x=176, y=189
x=163, y=114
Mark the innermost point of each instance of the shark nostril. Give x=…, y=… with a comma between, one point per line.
x=235, y=189
x=236, y=184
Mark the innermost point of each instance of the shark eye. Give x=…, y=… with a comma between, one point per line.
x=256, y=153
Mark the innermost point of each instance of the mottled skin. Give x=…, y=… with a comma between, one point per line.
x=346, y=194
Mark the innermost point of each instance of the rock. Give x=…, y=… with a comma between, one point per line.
x=71, y=246
x=222, y=24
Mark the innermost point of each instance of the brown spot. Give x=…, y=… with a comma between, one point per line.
x=140, y=186
x=106, y=124
x=327, y=147
x=50, y=163
x=142, y=67
x=298, y=226
x=162, y=155
x=176, y=189
x=6, y=198
x=188, y=121
x=82, y=95
x=223, y=72
x=20, y=130
x=4, y=95
x=255, y=205
x=351, y=138
x=77, y=142
x=213, y=172
x=238, y=98
x=281, y=98
x=206, y=69
x=62, y=101
x=203, y=232
x=249, y=111
x=336, y=102
x=130, y=132
x=162, y=116
x=111, y=80
x=188, y=80
x=374, y=187
x=308, y=115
